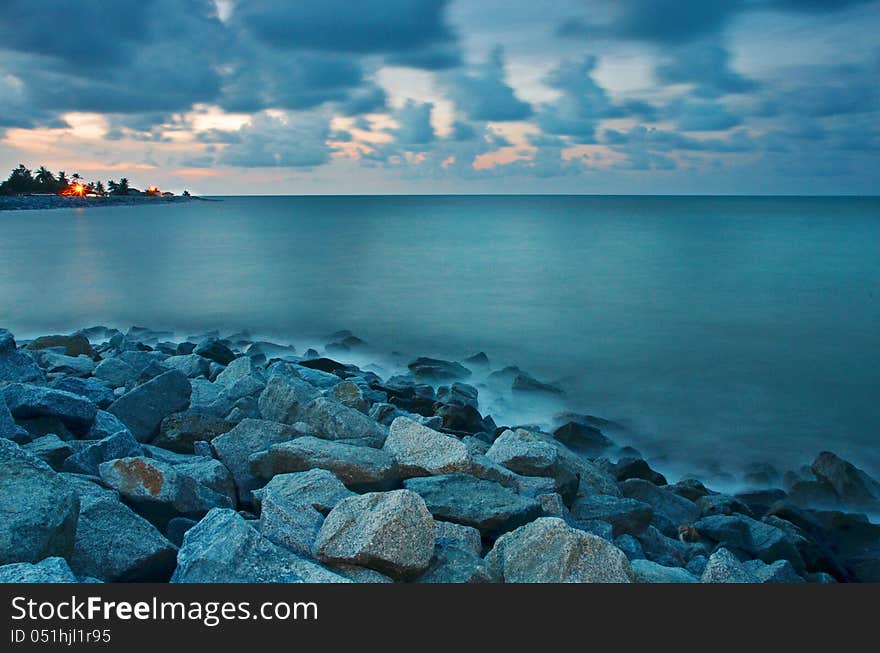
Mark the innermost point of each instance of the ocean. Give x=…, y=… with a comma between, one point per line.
x=720, y=331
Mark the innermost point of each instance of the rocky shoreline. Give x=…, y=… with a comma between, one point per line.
x=42, y=202
x=133, y=456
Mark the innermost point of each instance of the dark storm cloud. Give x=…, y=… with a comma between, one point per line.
x=364, y=27
x=76, y=33
x=258, y=79
x=483, y=93
x=671, y=22
x=159, y=57
x=153, y=56
x=661, y=21
x=438, y=57
x=146, y=64
x=706, y=65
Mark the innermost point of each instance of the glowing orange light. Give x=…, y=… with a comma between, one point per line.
x=77, y=190
x=153, y=189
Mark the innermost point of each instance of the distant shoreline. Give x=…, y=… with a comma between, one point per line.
x=43, y=202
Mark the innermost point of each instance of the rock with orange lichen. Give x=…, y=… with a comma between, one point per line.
x=159, y=490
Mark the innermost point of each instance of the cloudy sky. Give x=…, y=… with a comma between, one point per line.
x=447, y=96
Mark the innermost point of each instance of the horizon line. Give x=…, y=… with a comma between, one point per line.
x=670, y=195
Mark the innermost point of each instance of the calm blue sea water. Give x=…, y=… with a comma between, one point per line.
x=723, y=330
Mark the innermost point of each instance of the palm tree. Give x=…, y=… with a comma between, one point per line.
x=99, y=188
x=45, y=179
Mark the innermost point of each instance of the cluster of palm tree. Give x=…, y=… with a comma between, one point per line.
x=22, y=181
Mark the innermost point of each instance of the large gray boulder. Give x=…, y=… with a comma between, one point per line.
x=209, y=398
x=758, y=539
x=205, y=470
x=115, y=372
x=650, y=572
x=724, y=567
x=235, y=447
x=113, y=543
x=323, y=380
x=446, y=533
x=72, y=345
x=289, y=523
x=180, y=431
x=582, y=438
x=27, y=401
x=593, y=479
x=159, y=490
x=781, y=571
x=50, y=570
x=143, y=409
x=190, y=365
x=224, y=548
x=532, y=454
x=284, y=397
x=16, y=366
x=250, y=387
x=50, y=449
x=317, y=488
x=668, y=551
x=359, y=468
x=525, y=453
x=434, y=369
x=674, y=508
x=54, y=362
x=215, y=350
x=332, y=420
x=105, y=425
x=144, y=360
x=349, y=394
x=39, y=508
x=292, y=507
x=87, y=459
x=92, y=389
x=550, y=551
x=487, y=506
x=241, y=368
x=391, y=532
x=420, y=451
x=481, y=467
x=626, y=516
x=459, y=394
x=853, y=486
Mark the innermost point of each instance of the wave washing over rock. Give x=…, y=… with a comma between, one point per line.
x=136, y=457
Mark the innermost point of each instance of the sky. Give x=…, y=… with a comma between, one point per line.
x=223, y=97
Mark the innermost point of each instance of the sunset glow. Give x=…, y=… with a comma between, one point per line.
x=571, y=97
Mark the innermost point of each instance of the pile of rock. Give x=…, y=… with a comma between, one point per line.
x=42, y=202
x=229, y=460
